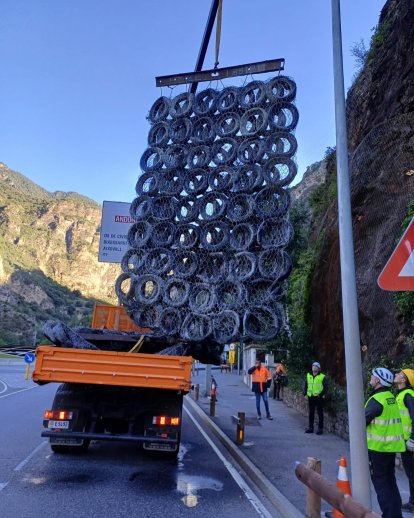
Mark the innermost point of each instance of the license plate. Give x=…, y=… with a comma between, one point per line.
x=58, y=424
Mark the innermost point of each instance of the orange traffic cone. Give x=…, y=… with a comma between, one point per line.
x=343, y=484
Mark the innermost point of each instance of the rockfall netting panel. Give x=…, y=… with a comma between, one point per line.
x=207, y=256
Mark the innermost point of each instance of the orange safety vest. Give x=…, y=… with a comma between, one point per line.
x=261, y=376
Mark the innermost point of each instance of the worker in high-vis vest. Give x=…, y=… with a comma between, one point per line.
x=261, y=380
x=405, y=400
x=385, y=438
x=314, y=390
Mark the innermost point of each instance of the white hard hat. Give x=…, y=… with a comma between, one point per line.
x=385, y=376
x=316, y=364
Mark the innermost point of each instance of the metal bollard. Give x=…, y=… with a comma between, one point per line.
x=196, y=392
x=212, y=407
x=240, y=420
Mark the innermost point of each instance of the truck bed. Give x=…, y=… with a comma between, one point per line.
x=156, y=371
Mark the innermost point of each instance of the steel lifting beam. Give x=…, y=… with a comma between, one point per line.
x=221, y=73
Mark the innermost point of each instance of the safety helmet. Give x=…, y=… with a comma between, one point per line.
x=409, y=373
x=385, y=376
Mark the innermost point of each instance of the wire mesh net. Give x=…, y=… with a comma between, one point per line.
x=211, y=221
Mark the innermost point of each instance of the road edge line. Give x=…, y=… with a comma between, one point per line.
x=278, y=500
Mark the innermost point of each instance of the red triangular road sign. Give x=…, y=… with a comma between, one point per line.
x=398, y=273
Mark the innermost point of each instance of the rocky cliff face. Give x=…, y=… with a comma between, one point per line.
x=48, y=256
x=380, y=110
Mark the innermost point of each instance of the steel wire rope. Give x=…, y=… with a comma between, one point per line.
x=230, y=294
x=283, y=116
x=213, y=267
x=196, y=327
x=261, y=323
x=170, y=321
x=240, y=207
x=212, y=206
x=271, y=202
x=274, y=233
x=187, y=235
x=281, y=88
x=152, y=159
x=148, y=288
x=186, y=209
x=133, y=260
x=224, y=151
x=185, y=263
x=253, y=94
x=159, y=134
x=198, y=157
x=163, y=234
x=141, y=207
x=204, y=131
x=158, y=261
x=253, y=121
x=247, y=178
x=163, y=208
x=124, y=288
x=180, y=130
x=228, y=124
x=274, y=263
x=176, y=292
x=195, y=181
x=182, y=105
x=147, y=183
x=280, y=143
x=227, y=99
x=159, y=110
x=242, y=236
x=147, y=316
x=226, y=326
x=202, y=298
x=251, y=150
x=175, y=156
x=139, y=233
x=243, y=266
x=205, y=102
x=170, y=182
x=220, y=178
x=279, y=171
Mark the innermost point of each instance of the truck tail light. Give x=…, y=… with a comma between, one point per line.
x=57, y=415
x=164, y=420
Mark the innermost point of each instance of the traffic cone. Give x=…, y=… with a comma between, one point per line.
x=343, y=484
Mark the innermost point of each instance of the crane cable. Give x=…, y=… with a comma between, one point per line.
x=218, y=31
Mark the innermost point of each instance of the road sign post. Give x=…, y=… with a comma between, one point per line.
x=29, y=358
x=355, y=389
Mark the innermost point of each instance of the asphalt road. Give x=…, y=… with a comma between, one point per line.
x=111, y=479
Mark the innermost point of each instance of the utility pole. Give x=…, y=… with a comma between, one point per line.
x=355, y=389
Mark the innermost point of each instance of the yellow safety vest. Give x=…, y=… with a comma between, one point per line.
x=315, y=384
x=404, y=413
x=385, y=432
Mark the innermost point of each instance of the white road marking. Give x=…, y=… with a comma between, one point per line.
x=4, y=386
x=260, y=509
x=17, y=391
x=23, y=463
x=3, y=485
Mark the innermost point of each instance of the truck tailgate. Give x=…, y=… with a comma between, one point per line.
x=112, y=368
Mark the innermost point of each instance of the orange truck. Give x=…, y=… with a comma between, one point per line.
x=113, y=396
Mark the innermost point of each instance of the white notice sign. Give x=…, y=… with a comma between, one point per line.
x=116, y=222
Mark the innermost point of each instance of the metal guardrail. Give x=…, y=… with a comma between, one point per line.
x=18, y=350
x=331, y=494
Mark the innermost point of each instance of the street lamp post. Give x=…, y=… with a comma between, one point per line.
x=355, y=390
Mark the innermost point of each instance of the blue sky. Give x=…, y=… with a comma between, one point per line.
x=77, y=77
